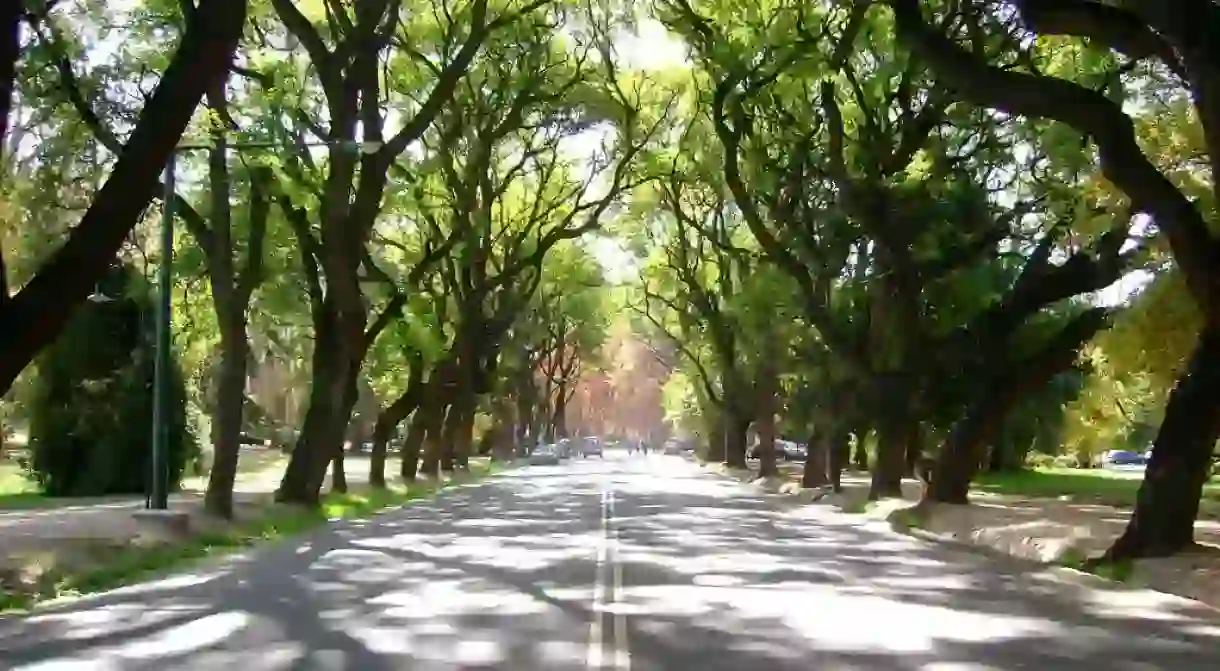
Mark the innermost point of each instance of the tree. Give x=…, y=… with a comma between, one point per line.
x=31, y=318
x=1163, y=521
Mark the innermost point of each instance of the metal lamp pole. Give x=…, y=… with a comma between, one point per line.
x=159, y=497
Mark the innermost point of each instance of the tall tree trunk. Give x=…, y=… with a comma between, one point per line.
x=459, y=431
x=11, y=14
x=503, y=440
x=816, y=458
x=1168, y=501
x=35, y=316
x=226, y=429
x=966, y=447
x=342, y=421
x=387, y=422
x=430, y=462
x=413, y=447
x=735, y=443
x=887, y=471
x=320, y=439
x=840, y=449
x=559, y=418
x=764, y=426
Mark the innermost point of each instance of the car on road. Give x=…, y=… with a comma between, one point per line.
x=544, y=455
x=672, y=447
x=591, y=447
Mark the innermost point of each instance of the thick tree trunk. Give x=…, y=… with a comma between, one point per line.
x=764, y=426
x=735, y=444
x=413, y=447
x=383, y=429
x=226, y=429
x=430, y=463
x=840, y=450
x=817, y=458
x=960, y=455
x=10, y=52
x=459, y=431
x=342, y=422
x=559, y=418
x=966, y=447
x=1168, y=501
x=321, y=437
x=886, y=479
x=35, y=316
x=503, y=440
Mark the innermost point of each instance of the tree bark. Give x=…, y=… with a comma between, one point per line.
x=387, y=421
x=226, y=428
x=965, y=448
x=817, y=457
x=412, y=447
x=1167, y=504
x=35, y=316
x=735, y=443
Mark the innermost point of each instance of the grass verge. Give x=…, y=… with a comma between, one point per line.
x=126, y=564
x=1113, y=488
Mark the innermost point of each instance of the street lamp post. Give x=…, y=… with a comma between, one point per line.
x=159, y=495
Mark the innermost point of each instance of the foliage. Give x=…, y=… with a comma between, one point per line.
x=91, y=416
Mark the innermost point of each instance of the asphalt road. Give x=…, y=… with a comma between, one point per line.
x=623, y=563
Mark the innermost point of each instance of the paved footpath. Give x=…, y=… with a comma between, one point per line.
x=627, y=563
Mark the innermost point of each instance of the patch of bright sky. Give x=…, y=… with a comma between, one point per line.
x=650, y=47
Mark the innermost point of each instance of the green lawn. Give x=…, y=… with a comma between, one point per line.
x=1115, y=488
x=15, y=490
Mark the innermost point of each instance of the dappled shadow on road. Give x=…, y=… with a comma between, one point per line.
x=499, y=576
x=743, y=583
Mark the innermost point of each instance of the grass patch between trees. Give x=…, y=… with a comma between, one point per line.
x=1101, y=486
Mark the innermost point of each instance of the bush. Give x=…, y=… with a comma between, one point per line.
x=91, y=412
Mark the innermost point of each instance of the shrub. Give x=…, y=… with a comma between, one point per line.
x=91, y=411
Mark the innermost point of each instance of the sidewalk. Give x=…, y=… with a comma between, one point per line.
x=110, y=519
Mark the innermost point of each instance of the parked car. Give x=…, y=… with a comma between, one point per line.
x=1123, y=458
x=785, y=450
x=791, y=451
x=544, y=455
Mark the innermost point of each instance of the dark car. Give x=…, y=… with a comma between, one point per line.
x=544, y=455
x=1123, y=458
